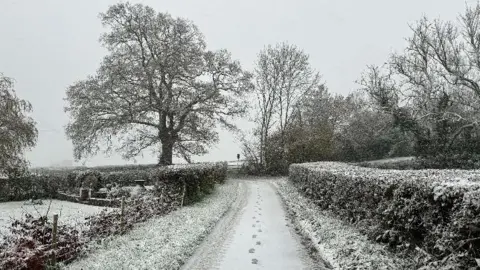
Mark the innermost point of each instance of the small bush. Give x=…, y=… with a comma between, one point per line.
x=90, y=179
x=118, y=192
x=30, y=244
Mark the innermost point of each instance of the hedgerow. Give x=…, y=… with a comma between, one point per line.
x=30, y=247
x=47, y=183
x=28, y=187
x=436, y=212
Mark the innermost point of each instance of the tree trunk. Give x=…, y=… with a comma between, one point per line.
x=167, y=152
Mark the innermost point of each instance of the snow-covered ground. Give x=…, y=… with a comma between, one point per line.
x=164, y=242
x=69, y=213
x=340, y=244
x=255, y=235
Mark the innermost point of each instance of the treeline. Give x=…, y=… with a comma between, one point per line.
x=160, y=88
x=325, y=126
x=423, y=102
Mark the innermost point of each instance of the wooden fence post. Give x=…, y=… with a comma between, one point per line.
x=122, y=213
x=54, y=237
x=184, y=192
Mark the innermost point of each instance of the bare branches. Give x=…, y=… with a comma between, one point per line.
x=432, y=87
x=380, y=87
x=283, y=76
x=158, y=78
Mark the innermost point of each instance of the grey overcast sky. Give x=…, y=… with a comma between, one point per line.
x=48, y=44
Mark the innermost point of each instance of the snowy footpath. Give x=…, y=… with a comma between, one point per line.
x=163, y=242
x=254, y=234
x=243, y=225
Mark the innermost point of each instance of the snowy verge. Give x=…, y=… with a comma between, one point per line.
x=164, y=242
x=340, y=244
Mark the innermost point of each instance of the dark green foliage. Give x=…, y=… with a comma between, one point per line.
x=435, y=210
x=29, y=187
x=89, y=179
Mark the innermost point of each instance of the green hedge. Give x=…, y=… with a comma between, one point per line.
x=437, y=211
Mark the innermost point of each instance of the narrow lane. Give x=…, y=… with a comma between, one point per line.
x=254, y=234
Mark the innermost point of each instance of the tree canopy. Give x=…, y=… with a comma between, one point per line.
x=283, y=76
x=431, y=88
x=158, y=85
x=17, y=128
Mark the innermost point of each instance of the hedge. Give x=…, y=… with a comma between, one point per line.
x=29, y=187
x=196, y=179
x=193, y=181
x=433, y=211
x=175, y=186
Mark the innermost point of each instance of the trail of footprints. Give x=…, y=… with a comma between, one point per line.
x=257, y=220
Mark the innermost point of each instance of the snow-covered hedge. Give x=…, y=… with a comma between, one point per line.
x=175, y=186
x=193, y=181
x=436, y=212
x=197, y=179
x=340, y=244
x=192, y=174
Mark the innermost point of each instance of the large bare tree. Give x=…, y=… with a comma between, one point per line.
x=282, y=77
x=158, y=85
x=17, y=128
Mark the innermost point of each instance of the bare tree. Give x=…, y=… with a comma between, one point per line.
x=157, y=85
x=17, y=128
x=431, y=88
x=282, y=76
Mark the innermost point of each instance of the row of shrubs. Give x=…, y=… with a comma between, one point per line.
x=29, y=187
x=47, y=183
x=30, y=244
x=435, y=213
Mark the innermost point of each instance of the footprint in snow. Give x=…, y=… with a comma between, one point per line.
x=252, y=250
x=254, y=236
x=254, y=261
x=258, y=243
